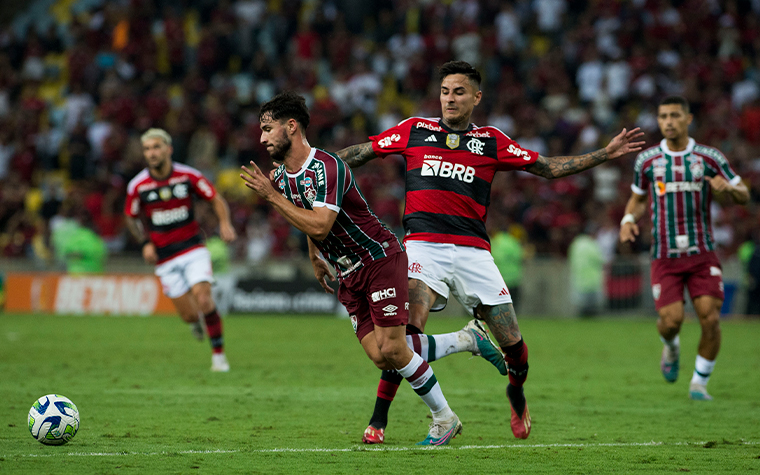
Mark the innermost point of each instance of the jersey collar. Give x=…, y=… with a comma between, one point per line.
x=304, y=166
x=171, y=172
x=666, y=150
x=451, y=131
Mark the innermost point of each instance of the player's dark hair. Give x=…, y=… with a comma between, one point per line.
x=285, y=106
x=459, y=67
x=676, y=100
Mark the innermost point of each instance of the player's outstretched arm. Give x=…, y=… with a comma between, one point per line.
x=558, y=167
x=357, y=155
x=721, y=188
x=634, y=210
x=222, y=210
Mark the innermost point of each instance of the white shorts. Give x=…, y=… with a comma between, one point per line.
x=179, y=274
x=469, y=272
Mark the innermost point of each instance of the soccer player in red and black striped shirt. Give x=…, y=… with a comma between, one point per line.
x=450, y=164
x=164, y=193
x=681, y=176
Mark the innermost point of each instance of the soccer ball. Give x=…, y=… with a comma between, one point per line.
x=53, y=419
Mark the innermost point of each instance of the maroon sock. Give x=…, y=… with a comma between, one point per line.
x=214, y=329
x=516, y=357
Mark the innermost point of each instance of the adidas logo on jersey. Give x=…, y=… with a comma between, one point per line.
x=431, y=139
x=504, y=291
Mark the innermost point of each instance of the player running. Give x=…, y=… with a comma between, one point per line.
x=164, y=193
x=450, y=164
x=680, y=176
x=319, y=196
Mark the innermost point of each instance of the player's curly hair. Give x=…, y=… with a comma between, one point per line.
x=459, y=67
x=284, y=106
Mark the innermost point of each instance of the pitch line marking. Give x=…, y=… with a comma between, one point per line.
x=359, y=448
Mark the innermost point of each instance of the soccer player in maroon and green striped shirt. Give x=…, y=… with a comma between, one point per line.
x=319, y=196
x=681, y=177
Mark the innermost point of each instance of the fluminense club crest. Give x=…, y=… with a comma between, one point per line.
x=697, y=168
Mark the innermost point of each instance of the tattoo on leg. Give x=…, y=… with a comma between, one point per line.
x=419, y=294
x=502, y=321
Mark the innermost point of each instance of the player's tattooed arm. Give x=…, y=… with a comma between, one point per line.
x=502, y=322
x=357, y=155
x=557, y=167
x=135, y=227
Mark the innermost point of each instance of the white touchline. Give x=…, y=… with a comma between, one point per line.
x=359, y=448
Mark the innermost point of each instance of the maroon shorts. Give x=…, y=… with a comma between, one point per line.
x=377, y=294
x=701, y=273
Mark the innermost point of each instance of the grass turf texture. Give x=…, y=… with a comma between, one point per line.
x=301, y=392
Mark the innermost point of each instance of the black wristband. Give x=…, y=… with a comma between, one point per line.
x=142, y=245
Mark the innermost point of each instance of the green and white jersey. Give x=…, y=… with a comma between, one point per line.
x=680, y=196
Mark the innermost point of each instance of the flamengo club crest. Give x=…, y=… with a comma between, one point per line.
x=452, y=141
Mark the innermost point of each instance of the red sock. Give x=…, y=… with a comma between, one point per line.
x=386, y=391
x=516, y=357
x=214, y=329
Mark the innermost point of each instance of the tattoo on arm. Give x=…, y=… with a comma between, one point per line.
x=502, y=322
x=557, y=167
x=136, y=228
x=357, y=155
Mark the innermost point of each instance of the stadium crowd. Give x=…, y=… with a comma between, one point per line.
x=80, y=81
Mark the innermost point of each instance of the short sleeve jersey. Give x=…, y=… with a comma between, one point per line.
x=168, y=207
x=357, y=236
x=448, y=177
x=680, y=196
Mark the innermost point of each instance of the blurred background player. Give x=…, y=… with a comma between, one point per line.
x=681, y=176
x=319, y=196
x=164, y=193
x=450, y=164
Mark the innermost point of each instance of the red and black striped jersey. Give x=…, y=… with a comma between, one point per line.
x=168, y=205
x=357, y=236
x=448, y=177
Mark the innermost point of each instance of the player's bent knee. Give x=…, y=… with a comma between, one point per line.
x=378, y=358
x=393, y=352
x=204, y=298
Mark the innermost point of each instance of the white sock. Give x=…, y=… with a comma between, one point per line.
x=674, y=345
x=435, y=347
x=424, y=384
x=703, y=368
x=445, y=414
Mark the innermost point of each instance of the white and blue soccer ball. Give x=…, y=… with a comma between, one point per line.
x=53, y=419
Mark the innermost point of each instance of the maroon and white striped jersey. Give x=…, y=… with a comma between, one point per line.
x=681, y=197
x=168, y=206
x=448, y=177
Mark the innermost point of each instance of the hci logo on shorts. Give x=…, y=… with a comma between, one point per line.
x=384, y=294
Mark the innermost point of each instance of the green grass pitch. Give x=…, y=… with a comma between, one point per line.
x=301, y=391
